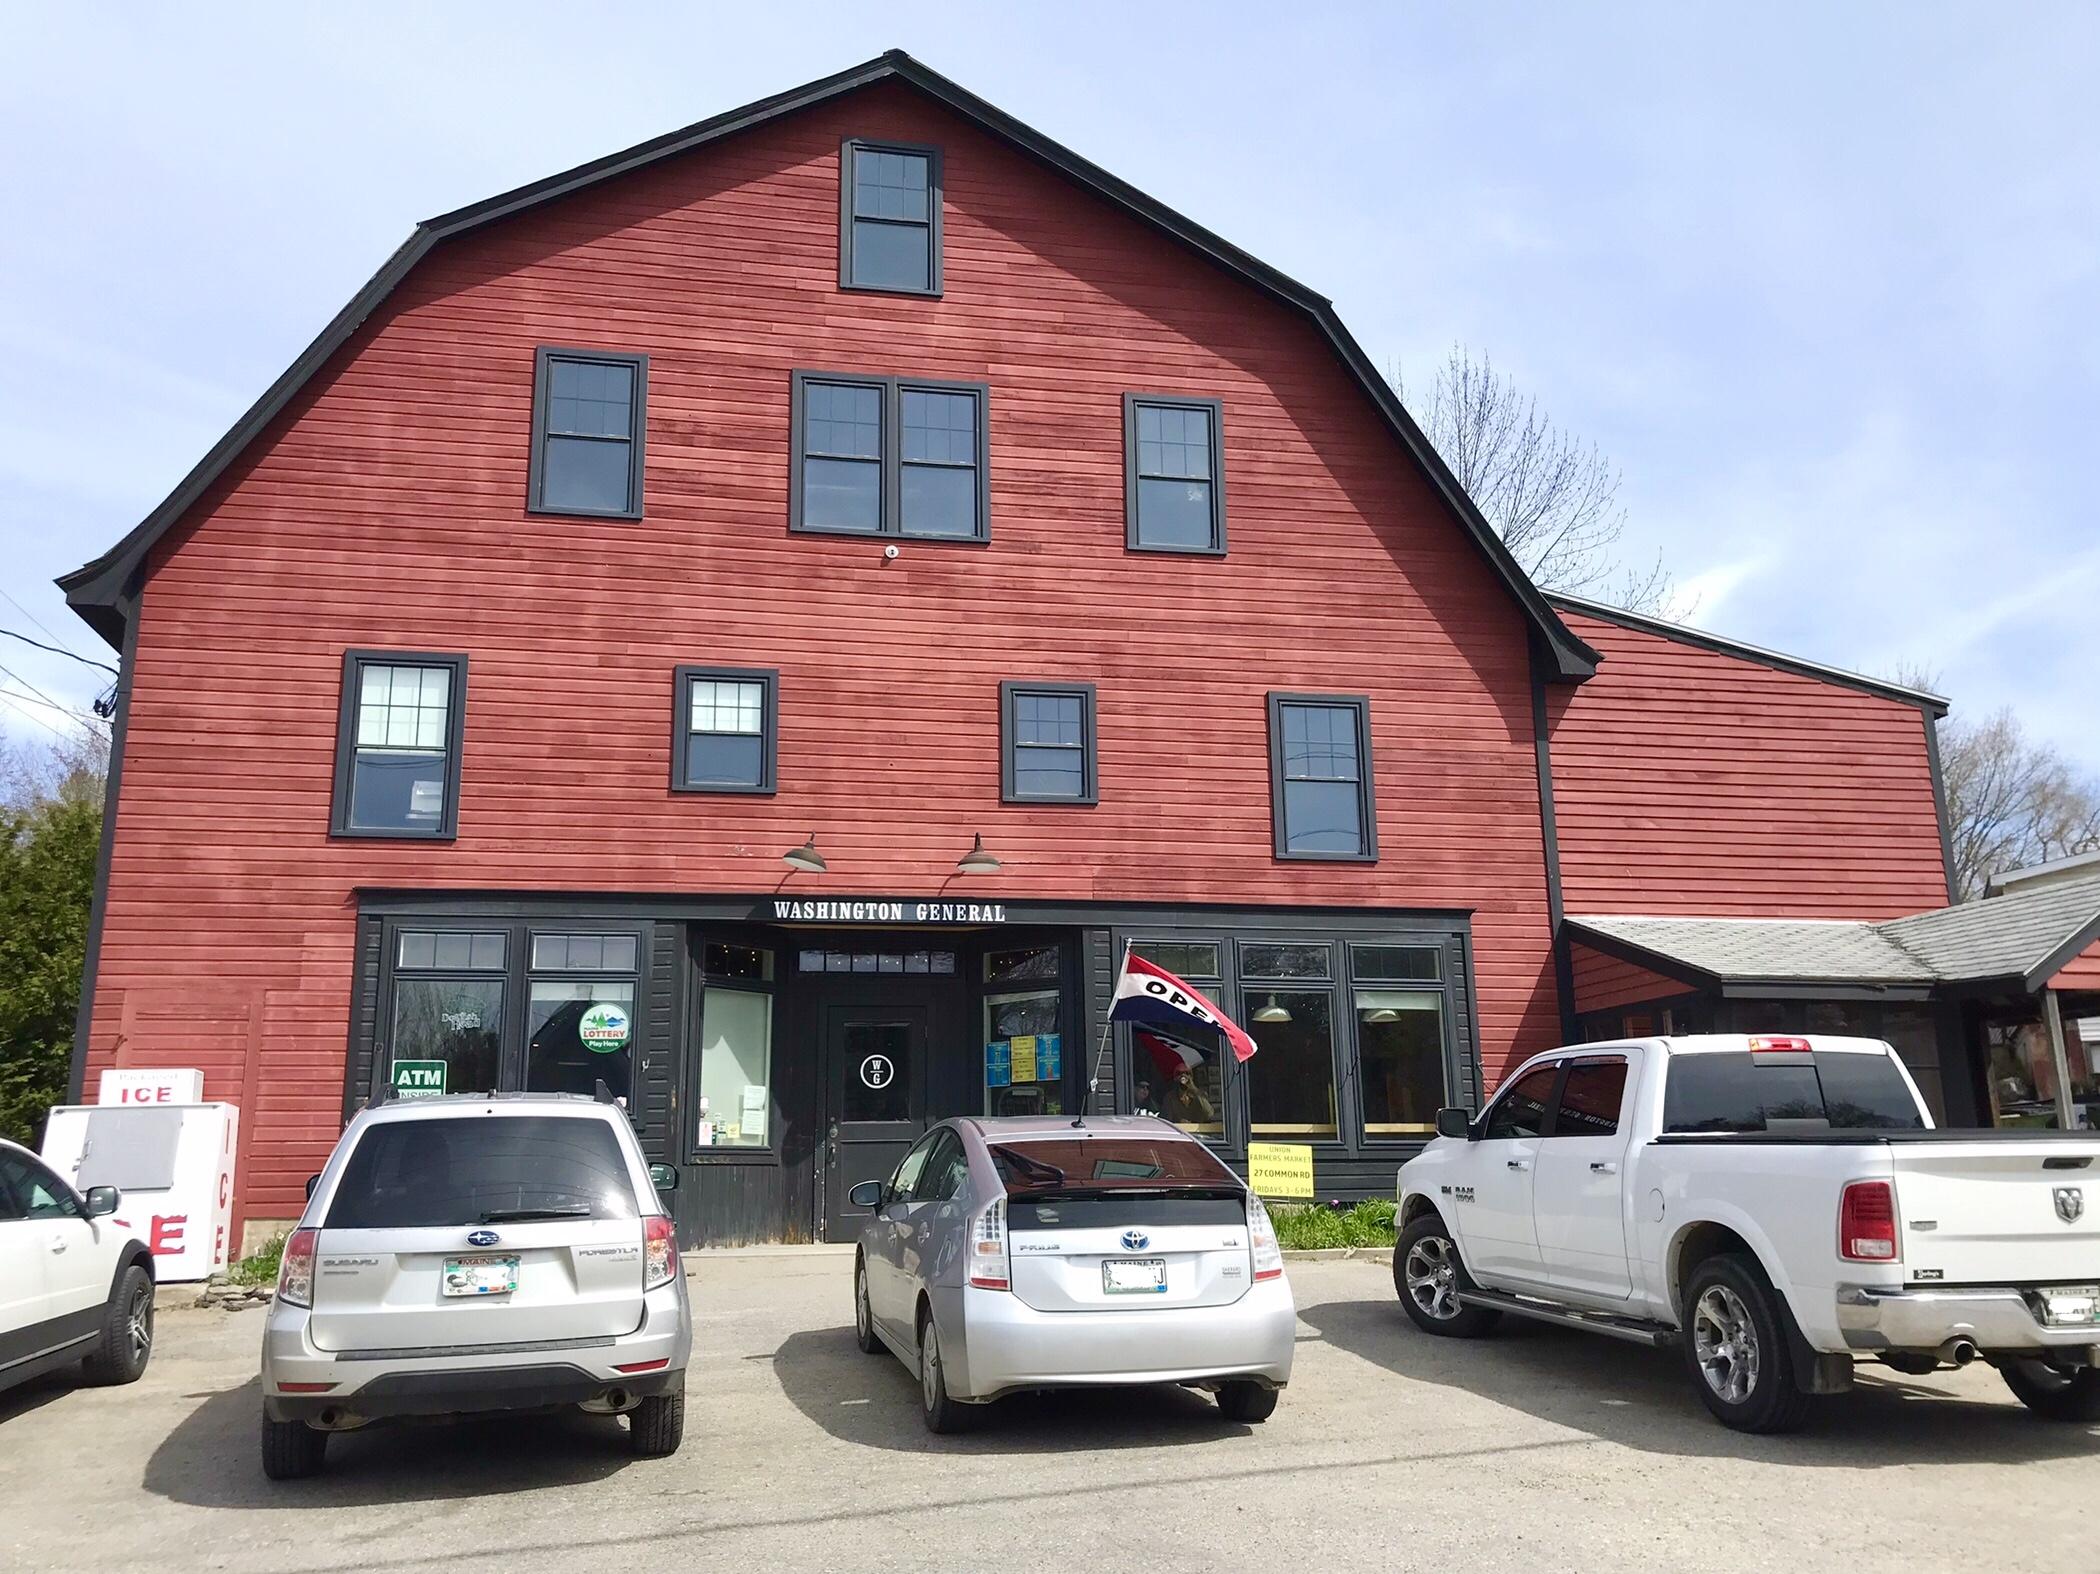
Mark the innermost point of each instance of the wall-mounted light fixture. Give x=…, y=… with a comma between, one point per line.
x=1382, y=1014
x=806, y=857
x=977, y=860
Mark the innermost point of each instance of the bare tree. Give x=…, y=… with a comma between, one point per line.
x=64, y=770
x=1553, y=499
x=2011, y=803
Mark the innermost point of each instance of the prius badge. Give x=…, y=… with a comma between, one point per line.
x=2070, y=1204
x=1138, y=1240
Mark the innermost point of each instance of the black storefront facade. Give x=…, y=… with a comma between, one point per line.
x=778, y=1050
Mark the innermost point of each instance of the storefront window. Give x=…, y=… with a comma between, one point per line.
x=457, y=1021
x=736, y=1062
x=1285, y=961
x=738, y=961
x=2023, y=1075
x=1186, y=959
x=1290, y=1083
x=580, y=1033
x=1024, y=1049
x=1396, y=964
x=875, y=962
x=1400, y=1046
x=1013, y=967
x=1178, y=1077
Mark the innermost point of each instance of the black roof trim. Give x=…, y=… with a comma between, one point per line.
x=1934, y=705
x=94, y=588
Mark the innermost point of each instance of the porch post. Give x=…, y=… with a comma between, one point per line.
x=2053, y=1019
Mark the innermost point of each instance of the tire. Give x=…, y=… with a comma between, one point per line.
x=292, y=1450
x=126, y=1345
x=864, y=1333
x=656, y=1426
x=1429, y=1275
x=940, y=1412
x=1735, y=1347
x=1246, y=1401
x=2052, y=1393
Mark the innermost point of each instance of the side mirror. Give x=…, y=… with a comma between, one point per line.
x=1451, y=1121
x=102, y=1200
x=311, y=1182
x=664, y=1177
x=868, y=1194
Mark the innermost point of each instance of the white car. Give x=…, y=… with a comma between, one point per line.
x=1040, y=1252
x=471, y=1254
x=1778, y=1208
x=74, y=1285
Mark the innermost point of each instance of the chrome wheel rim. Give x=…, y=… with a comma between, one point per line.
x=930, y=1367
x=138, y=1324
x=1431, y=1271
x=1725, y=1341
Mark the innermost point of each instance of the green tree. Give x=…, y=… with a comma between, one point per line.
x=47, y=880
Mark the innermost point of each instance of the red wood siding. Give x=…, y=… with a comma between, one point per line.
x=1686, y=781
x=385, y=510
x=2081, y=972
x=1602, y=982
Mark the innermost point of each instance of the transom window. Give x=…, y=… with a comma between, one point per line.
x=890, y=456
x=587, y=433
x=1049, y=733
x=890, y=217
x=724, y=730
x=1174, y=474
x=1319, y=764
x=397, y=750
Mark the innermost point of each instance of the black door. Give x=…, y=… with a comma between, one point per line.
x=875, y=1092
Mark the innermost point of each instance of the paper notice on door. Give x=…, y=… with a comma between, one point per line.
x=755, y=1109
x=998, y=1064
x=1024, y=1057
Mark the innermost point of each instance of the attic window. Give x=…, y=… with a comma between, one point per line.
x=890, y=217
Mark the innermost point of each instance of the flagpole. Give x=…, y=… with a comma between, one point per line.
x=1108, y=1026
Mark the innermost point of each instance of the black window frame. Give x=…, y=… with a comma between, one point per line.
x=354, y=663
x=769, y=728
x=849, y=150
x=890, y=521
x=542, y=370
x=1009, y=741
x=1366, y=788
x=1132, y=403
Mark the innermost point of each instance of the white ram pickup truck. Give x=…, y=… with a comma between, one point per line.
x=1776, y=1207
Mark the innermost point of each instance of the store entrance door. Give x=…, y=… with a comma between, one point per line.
x=875, y=1096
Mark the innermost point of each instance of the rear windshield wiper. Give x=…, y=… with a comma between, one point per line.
x=523, y=1215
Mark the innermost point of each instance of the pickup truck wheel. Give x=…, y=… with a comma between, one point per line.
x=1735, y=1345
x=2052, y=1392
x=1429, y=1276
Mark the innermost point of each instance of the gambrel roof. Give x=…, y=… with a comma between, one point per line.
x=104, y=592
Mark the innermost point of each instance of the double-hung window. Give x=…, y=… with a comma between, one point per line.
x=1320, y=777
x=397, y=745
x=890, y=217
x=723, y=729
x=1173, y=474
x=1048, y=735
x=890, y=456
x=587, y=426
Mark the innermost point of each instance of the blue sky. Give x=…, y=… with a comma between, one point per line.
x=1824, y=281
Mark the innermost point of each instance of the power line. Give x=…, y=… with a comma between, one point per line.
x=9, y=701
x=6, y=672
x=33, y=618
x=56, y=650
x=80, y=716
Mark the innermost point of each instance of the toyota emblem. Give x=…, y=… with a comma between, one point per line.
x=2070, y=1204
x=1135, y=1240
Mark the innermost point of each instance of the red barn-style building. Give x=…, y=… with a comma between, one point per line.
x=762, y=621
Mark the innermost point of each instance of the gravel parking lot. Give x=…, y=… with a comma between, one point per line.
x=1531, y=1451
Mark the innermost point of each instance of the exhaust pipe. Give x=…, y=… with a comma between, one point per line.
x=617, y=1398
x=1958, y=1351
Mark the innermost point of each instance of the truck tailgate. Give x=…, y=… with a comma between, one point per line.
x=1999, y=1211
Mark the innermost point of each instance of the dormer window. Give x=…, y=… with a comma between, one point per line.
x=890, y=217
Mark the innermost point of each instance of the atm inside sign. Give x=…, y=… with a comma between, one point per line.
x=419, y=1079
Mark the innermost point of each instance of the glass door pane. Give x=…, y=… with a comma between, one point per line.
x=579, y=1032
x=458, y=1021
x=1024, y=1054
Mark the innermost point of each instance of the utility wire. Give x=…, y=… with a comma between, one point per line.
x=80, y=716
x=36, y=621
x=9, y=701
x=56, y=650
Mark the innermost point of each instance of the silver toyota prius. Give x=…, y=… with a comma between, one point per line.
x=1044, y=1252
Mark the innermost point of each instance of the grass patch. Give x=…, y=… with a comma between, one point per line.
x=1317, y=1226
x=260, y=1268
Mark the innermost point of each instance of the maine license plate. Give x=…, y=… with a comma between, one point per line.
x=2072, y=1305
x=480, y=1275
x=1134, y=1276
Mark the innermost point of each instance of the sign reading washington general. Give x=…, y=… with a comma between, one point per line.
x=888, y=912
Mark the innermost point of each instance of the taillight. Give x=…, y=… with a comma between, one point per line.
x=1261, y=1236
x=988, y=1249
x=1780, y=1046
x=1867, y=1222
x=659, y=1250
x=295, y=1274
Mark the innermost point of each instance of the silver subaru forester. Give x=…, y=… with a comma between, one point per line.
x=478, y=1253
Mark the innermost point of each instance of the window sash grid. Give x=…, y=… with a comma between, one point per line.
x=890, y=463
